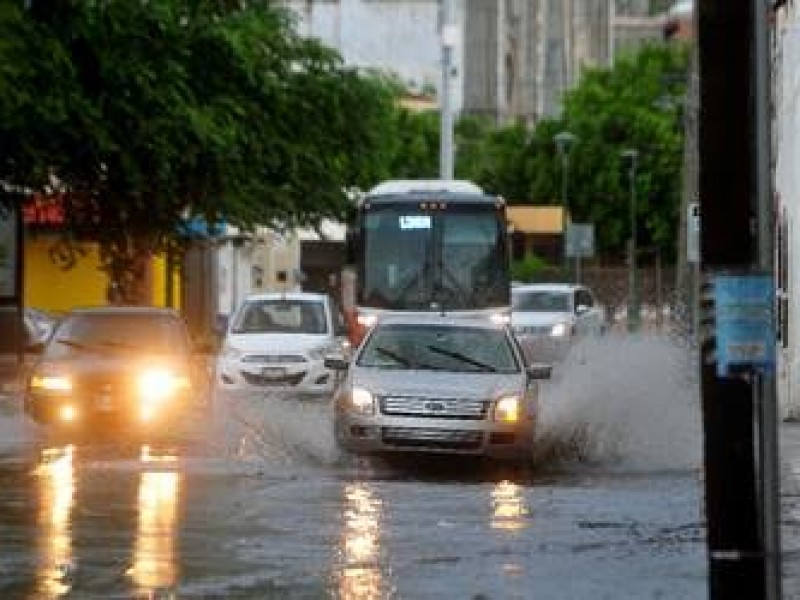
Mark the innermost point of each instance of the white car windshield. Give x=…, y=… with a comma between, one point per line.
x=439, y=348
x=541, y=301
x=283, y=315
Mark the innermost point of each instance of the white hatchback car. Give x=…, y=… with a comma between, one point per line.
x=548, y=318
x=278, y=342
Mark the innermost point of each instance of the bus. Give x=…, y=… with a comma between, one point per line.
x=429, y=246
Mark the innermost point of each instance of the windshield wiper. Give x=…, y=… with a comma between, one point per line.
x=463, y=358
x=393, y=355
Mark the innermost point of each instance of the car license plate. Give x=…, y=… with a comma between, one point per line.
x=273, y=372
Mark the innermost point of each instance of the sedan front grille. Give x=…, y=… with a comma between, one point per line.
x=438, y=439
x=290, y=379
x=438, y=408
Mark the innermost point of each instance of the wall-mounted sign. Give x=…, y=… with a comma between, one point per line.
x=743, y=308
x=8, y=253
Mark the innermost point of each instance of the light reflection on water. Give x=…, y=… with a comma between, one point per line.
x=360, y=577
x=509, y=509
x=155, y=558
x=55, y=477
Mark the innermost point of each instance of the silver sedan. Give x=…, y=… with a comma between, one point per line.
x=437, y=384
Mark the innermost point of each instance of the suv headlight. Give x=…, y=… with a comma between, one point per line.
x=156, y=385
x=51, y=383
x=560, y=330
x=362, y=401
x=507, y=409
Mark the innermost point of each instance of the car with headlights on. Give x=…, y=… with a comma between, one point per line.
x=549, y=318
x=278, y=341
x=437, y=384
x=129, y=367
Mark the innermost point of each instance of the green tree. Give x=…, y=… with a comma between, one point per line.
x=634, y=104
x=145, y=112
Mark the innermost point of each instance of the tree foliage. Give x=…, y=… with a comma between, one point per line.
x=145, y=112
x=636, y=104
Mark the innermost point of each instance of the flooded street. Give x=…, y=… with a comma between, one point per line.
x=259, y=504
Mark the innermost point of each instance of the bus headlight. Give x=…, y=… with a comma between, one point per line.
x=507, y=409
x=362, y=401
x=367, y=320
x=500, y=318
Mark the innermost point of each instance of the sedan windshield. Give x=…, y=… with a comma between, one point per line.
x=439, y=348
x=108, y=332
x=541, y=301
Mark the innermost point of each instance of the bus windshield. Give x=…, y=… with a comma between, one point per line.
x=451, y=259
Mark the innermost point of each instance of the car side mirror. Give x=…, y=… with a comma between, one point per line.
x=539, y=371
x=582, y=308
x=336, y=362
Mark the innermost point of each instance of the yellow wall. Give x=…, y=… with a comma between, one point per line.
x=51, y=287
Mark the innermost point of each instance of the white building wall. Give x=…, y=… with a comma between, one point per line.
x=786, y=147
x=401, y=37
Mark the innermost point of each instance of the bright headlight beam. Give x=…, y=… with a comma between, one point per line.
x=159, y=384
x=362, y=401
x=51, y=383
x=559, y=330
x=507, y=409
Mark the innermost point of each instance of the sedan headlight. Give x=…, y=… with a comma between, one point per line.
x=560, y=330
x=155, y=385
x=51, y=383
x=507, y=409
x=362, y=401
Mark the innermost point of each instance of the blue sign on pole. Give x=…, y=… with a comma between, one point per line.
x=743, y=306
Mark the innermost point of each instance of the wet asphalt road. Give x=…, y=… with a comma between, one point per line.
x=258, y=503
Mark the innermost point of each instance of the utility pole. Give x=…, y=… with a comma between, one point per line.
x=448, y=35
x=738, y=404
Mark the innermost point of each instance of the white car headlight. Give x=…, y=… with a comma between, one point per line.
x=362, y=401
x=560, y=330
x=507, y=409
x=232, y=352
x=320, y=352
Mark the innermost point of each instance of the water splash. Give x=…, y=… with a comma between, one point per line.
x=623, y=401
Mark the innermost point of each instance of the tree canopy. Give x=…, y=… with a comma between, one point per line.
x=636, y=104
x=142, y=113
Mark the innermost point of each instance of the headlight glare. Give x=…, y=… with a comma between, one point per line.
x=51, y=383
x=362, y=401
x=507, y=409
x=160, y=384
x=559, y=330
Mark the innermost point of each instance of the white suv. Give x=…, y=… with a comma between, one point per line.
x=278, y=342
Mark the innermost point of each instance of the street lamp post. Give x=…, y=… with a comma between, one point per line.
x=564, y=141
x=632, y=155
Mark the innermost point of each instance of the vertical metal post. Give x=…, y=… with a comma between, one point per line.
x=564, y=141
x=765, y=388
x=448, y=35
x=632, y=155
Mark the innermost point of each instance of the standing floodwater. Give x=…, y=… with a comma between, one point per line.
x=259, y=503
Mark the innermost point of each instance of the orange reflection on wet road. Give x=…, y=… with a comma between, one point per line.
x=508, y=507
x=361, y=577
x=55, y=477
x=155, y=561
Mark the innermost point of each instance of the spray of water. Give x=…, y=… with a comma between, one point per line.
x=630, y=402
